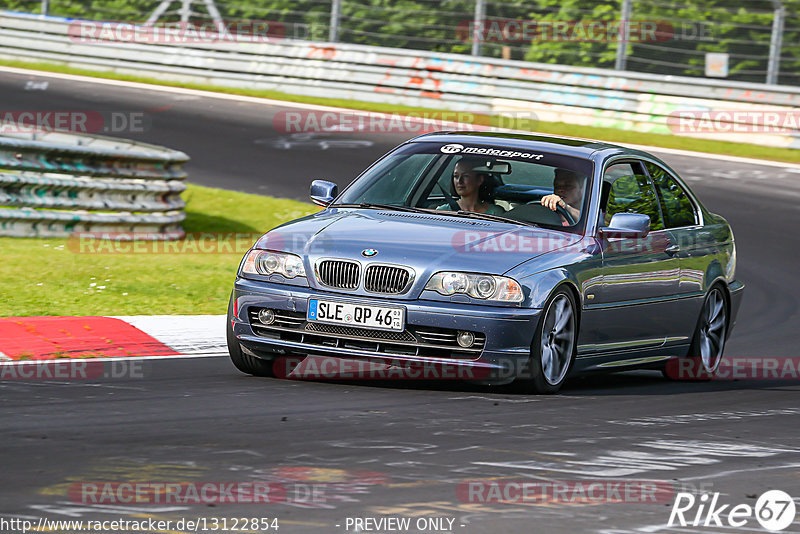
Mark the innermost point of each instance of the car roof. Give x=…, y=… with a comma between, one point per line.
x=568, y=146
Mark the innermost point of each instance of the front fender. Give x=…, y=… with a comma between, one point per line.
x=544, y=283
x=578, y=265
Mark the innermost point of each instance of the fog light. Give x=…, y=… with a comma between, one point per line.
x=465, y=339
x=266, y=316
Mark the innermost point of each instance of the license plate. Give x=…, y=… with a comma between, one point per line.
x=361, y=315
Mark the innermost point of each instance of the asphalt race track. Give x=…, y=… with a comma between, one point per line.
x=382, y=449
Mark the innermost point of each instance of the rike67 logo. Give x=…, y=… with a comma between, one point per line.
x=774, y=510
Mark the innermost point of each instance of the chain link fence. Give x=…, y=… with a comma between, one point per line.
x=750, y=40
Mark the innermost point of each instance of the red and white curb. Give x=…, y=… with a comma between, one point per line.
x=186, y=334
x=137, y=336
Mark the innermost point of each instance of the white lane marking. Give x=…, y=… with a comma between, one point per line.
x=667, y=420
x=117, y=359
x=402, y=447
x=239, y=452
x=72, y=509
x=737, y=471
x=721, y=157
x=287, y=104
x=670, y=455
x=480, y=397
x=30, y=85
x=222, y=96
x=666, y=528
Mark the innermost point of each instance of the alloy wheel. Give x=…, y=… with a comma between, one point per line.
x=558, y=339
x=712, y=331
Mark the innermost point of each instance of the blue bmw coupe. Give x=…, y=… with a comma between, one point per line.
x=508, y=257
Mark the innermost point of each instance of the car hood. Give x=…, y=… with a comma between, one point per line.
x=426, y=242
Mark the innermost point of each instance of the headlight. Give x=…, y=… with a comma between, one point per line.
x=480, y=286
x=266, y=262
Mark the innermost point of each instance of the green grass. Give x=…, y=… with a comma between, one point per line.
x=53, y=276
x=612, y=135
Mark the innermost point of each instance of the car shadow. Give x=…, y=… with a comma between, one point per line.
x=645, y=382
x=635, y=383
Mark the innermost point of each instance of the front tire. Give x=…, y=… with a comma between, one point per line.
x=554, y=345
x=244, y=362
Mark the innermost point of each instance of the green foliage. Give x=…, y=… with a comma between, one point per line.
x=589, y=53
x=688, y=29
x=633, y=194
x=416, y=24
x=741, y=29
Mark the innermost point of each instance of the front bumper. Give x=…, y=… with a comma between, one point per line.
x=505, y=349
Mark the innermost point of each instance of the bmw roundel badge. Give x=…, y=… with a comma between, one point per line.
x=369, y=252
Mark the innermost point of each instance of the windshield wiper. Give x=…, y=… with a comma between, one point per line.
x=489, y=216
x=370, y=205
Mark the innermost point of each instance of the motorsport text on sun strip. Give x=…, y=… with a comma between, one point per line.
x=455, y=148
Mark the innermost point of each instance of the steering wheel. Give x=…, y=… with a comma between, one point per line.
x=561, y=211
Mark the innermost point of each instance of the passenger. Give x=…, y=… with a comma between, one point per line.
x=473, y=189
x=567, y=193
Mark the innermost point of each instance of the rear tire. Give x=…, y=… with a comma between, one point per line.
x=708, y=342
x=554, y=345
x=244, y=362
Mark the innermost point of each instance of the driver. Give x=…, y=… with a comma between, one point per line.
x=473, y=188
x=567, y=193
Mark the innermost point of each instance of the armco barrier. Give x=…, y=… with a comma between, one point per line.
x=53, y=184
x=594, y=97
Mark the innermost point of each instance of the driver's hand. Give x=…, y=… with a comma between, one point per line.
x=553, y=202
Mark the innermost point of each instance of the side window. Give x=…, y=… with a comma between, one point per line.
x=630, y=191
x=675, y=203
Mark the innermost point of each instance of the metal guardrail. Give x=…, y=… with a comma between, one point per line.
x=593, y=97
x=54, y=184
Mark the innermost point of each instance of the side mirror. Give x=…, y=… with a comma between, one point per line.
x=627, y=225
x=323, y=192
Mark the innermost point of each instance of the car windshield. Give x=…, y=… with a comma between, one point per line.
x=494, y=182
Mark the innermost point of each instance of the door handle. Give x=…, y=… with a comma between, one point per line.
x=672, y=250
